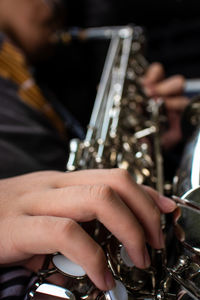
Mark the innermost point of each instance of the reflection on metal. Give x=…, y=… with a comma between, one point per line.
x=188, y=176
x=186, y=271
x=187, y=203
x=124, y=132
x=195, y=173
x=49, y=291
x=103, y=33
x=125, y=125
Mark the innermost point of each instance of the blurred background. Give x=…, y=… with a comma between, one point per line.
x=172, y=30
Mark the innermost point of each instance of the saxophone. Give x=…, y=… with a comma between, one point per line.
x=124, y=132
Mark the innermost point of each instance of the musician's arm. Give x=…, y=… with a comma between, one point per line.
x=28, y=141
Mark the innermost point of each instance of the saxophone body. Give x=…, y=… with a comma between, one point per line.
x=187, y=216
x=124, y=123
x=124, y=132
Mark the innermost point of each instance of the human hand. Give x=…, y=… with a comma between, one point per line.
x=39, y=214
x=170, y=90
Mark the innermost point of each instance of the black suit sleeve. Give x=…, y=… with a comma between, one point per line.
x=28, y=141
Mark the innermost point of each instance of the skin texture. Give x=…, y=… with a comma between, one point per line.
x=39, y=214
x=30, y=24
x=170, y=90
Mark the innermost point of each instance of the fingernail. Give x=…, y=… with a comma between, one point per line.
x=109, y=280
x=147, y=261
x=161, y=238
x=171, y=205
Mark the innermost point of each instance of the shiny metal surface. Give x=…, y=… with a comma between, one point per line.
x=186, y=271
x=102, y=33
x=124, y=132
x=47, y=291
x=188, y=176
x=125, y=125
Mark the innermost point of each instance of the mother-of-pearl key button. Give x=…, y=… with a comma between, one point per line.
x=125, y=257
x=67, y=267
x=119, y=292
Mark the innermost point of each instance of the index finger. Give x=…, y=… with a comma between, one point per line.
x=85, y=203
x=140, y=203
x=171, y=86
x=154, y=74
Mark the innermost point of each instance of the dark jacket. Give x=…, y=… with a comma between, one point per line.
x=28, y=141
